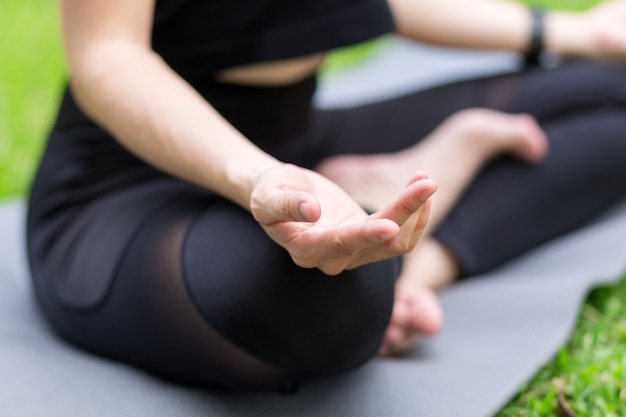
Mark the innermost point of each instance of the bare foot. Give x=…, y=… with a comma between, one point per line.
x=416, y=312
x=452, y=155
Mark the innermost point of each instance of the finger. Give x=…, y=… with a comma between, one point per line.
x=336, y=249
x=421, y=223
x=402, y=242
x=419, y=175
x=410, y=232
x=410, y=200
x=286, y=205
x=350, y=240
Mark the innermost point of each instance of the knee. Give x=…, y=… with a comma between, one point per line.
x=298, y=320
x=301, y=321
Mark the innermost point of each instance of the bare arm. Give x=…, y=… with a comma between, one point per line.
x=505, y=24
x=123, y=85
x=464, y=23
x=127, y=88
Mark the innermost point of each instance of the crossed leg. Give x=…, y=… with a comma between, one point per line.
x=452, y=154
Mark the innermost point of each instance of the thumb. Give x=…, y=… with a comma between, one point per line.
x=286, y=206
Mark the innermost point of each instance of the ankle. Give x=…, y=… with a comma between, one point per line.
x=486, y=134
x=430, y=265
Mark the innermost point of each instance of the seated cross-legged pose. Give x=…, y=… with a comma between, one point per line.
x=195, y=216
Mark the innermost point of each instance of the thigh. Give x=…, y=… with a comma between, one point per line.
x=297, y=319
x=549, y=94
x=396, y=124
x=511, y=207
x=177, y=281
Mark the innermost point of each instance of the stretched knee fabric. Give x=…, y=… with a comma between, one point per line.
x=135, y=265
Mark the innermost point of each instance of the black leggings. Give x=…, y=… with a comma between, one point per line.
x=134, y=265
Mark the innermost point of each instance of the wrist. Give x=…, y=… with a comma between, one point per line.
x=566, y=34
x=536, y=41
x=242, y=174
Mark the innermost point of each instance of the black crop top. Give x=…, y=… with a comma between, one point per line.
x=199, y=37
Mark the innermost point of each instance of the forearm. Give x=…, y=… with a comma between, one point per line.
x=495, y=24
x=150, y=110
x=464, y=23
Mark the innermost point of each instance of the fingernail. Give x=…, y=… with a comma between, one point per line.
x=303, y=208
x=420, y=175
x=426, y=195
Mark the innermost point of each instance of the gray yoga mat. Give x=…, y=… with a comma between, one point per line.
x=500, y=327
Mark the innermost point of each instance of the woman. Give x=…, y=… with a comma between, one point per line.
x=179, y=220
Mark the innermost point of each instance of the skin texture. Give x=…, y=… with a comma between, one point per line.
x=337, y=236
x=113, y=73
x=467, y=140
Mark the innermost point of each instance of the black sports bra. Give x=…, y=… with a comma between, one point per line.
x=200, y=37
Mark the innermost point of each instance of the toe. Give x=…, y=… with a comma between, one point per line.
x=426, y=314
x=421, y=311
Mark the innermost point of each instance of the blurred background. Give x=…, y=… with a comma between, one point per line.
x=587, y=376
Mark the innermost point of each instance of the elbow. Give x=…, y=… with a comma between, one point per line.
x=89, y=70
x=96, y=71
x=86, y=75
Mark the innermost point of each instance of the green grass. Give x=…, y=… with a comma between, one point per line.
x=563, y=4
x=587, y=376
x=31, y=74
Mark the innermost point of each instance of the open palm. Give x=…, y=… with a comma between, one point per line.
x=321, y=226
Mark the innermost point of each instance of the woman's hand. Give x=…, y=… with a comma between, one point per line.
x=607, y=23
x=323, y=227
x=597, y=33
